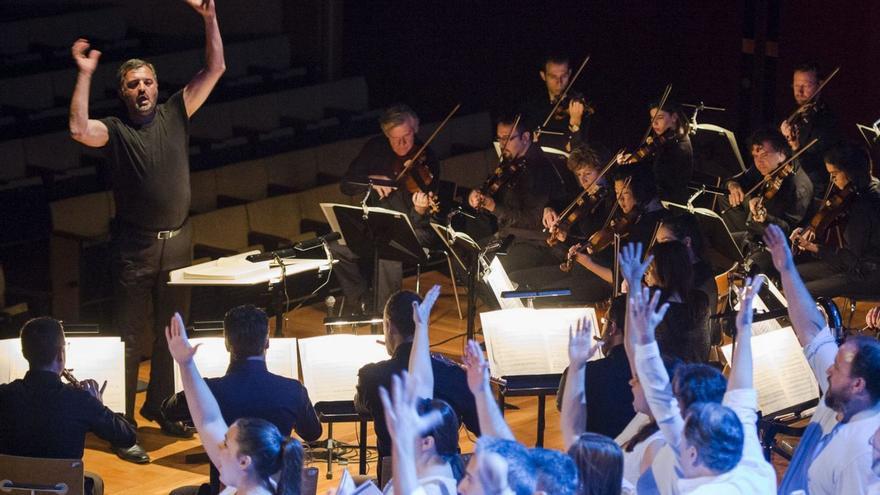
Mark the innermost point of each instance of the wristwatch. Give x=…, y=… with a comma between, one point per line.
x=574, y=128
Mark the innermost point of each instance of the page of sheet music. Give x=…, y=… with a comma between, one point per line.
x=99, y=358
x=765, y=326
x=499, y=282
x=783, y=378
x=530, y=341
x=212, y=358
x=330, y=364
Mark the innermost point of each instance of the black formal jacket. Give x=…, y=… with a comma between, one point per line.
x=249, y=390
x=377, y=158
x=609, y=396
x=519, y=205
x=860, y=232
x=787, y=208
x=42, y=417
x=450, y=385
x=821, y=125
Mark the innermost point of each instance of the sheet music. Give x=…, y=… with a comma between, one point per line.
x=346, y=484
x=330, y=364
x=212, y=358
x=783, y=378
x=765, y=326
x=499, y=282
x=327, y=209
x=529, y=341
x=99, y=358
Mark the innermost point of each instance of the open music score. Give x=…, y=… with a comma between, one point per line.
x=783, y=378
x=330, y=364
x=99, y=358
x=528, y=341
x=212, y=358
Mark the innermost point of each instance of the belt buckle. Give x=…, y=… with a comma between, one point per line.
x=165, y=234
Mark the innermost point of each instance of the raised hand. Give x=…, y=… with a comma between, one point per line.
x=872, y=319
x=746, y=303
x=85, y=63
x=178, y=343
x=422, y=312
x=203, y=7
x=777, y=244
x=401, y=416
x=581, y=346
x=476, y=367
x=643, y=314
x=631, y=266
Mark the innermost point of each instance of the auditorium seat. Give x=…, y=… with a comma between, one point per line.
x=21, y=474
x=241, y=182
x=313, y=218
x=219, y=233
x=293, y=170
x=334, y=158
x=204, y=191
x=275, y=222
x=469, y=169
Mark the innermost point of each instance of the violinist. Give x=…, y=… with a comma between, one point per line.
x=590, y=278
x=383, y=157
x=668, y=153
x=567, y=127
x=586, y=164
x=787, y=204
x=813, y=120
x=842, y=244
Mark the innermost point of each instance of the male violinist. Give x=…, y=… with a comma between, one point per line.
x=567, y=128
x=844, y=255
x=747, y=215
x=814, y=120
x=382, y=158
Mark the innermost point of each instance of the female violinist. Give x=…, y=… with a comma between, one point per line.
x=667, y=151
x=843, y=240
x=591, y=274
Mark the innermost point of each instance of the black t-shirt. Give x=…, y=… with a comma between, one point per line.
x=149, y=167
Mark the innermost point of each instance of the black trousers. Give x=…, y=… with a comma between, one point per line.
x=829, y=278
x=355, y=277
x=141, y=264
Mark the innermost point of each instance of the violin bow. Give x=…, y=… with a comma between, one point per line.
x=775, y=171
x=561, y=97
x=424, y=146
x=659, y=108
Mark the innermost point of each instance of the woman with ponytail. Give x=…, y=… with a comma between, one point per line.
x=251, y=454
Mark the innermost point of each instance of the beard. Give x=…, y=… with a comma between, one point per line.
x=835, y=400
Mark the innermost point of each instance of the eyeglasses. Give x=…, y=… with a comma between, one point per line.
x=502, y=139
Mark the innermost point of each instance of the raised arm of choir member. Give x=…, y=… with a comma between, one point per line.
x=581, y=348
x=420, y=357
x=491, y=421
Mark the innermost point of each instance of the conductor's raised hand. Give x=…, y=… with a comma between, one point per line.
x=178, y=343
x=86, y=60
x=631, y=266
x=476, y=367
x=205, y=8
x=777, y=244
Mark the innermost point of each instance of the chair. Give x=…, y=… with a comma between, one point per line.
x=241, y=182
x=37, y=476
x=219, y=233
x=204, y=191
x=310, y=205
x=275, y=222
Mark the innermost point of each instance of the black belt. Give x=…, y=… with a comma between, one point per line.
x=161, y=235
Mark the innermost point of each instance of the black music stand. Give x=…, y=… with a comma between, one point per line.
x=468, y=255
x=725, y=252
x=375, y=233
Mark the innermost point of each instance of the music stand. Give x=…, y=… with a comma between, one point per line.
x=724, y=251
x=468, y=254
x=375, y=233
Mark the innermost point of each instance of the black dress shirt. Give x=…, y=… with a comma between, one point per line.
x=519, y=205
x=42, y=417
x=450, y=385
x=536, y=110
x=609, y=396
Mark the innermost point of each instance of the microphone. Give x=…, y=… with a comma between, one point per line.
x=292, y=251
x=330, y=302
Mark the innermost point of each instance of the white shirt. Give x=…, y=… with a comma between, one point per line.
x=632, y=461
x=751, y=476
x=430, y=485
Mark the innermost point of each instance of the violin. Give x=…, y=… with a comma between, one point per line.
x=805, y=112
x=772, y=182
x=560, y=105
x=650, y=147
x=585, y=202
x=835, y=207
x=505, y=174
x=414, y=172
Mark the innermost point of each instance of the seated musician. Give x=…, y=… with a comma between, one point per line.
x=842, y=244
x=382, y=158
x=586, y=164
x=669, y=155
x=42, y=417
x=787, y=204
x=567, y=127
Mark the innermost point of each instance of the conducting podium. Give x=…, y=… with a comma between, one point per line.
x=528, y=351
x=377, y=234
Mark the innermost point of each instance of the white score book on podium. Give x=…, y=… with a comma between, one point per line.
x=330, y=364
x=212, y=358
x=97, y=358
x=527, y=341
x=783, y=378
